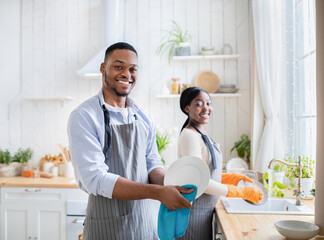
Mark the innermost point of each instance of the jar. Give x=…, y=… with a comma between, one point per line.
x=175, y=86
x=227, y=49
x=185, y=86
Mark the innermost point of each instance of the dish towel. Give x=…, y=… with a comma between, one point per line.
x=172, y=224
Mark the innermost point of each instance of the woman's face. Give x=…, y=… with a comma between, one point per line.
x=199, y=109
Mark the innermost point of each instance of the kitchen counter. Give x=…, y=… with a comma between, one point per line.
x=55, y=182
x=255, y=226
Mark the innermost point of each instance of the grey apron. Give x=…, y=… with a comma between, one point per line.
x=122, y=219
x=201, y=213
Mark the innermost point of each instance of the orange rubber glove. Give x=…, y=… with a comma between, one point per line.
x=233, y=178
x=248, y=193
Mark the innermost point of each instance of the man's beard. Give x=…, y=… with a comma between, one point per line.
x=114, y=89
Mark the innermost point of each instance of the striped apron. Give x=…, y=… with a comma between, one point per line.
x=201, y=213
x=123, y=219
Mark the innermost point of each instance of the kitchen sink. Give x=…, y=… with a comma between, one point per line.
x=271, y=206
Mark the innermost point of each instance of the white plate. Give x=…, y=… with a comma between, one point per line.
x=293, y=229
x=236, y=164
x=188, y=170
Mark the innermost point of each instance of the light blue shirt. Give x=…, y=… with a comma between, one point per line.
x=86, y=132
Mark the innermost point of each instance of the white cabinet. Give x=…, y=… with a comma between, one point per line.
x=34, y=213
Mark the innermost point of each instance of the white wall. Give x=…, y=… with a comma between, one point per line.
x=58, y=37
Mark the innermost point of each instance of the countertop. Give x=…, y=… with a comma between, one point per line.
x=255, y=226
x=54, y=182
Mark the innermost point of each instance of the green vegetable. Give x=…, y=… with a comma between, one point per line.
x=279, y=185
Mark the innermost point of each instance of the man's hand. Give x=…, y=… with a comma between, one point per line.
x=170, y=196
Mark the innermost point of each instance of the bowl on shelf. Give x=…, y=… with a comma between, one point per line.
x=227, y=88
x=207, y=48
x=293, y=229
x=227, y=85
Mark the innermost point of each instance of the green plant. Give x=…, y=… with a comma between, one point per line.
x=5, y=157
x=172, y=40
x=308, y=168
x=22, y=156
x=164, y=139
x=243, y=147
x=279, y=167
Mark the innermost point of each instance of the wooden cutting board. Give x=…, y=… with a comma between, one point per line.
x=208, y=81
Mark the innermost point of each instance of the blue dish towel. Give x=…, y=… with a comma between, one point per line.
x=172, y=224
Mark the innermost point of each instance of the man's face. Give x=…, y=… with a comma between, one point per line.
x=119, y=72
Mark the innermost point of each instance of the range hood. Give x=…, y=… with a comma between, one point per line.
x=113, y=29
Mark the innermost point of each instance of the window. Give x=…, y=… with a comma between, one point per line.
x=300, y=72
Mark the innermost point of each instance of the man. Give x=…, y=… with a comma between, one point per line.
x=115, y=157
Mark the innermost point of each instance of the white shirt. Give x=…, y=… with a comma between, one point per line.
x=191, y=143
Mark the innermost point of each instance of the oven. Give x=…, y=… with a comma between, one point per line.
x=76, y=210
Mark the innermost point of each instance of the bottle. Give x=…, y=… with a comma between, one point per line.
x=175, y=86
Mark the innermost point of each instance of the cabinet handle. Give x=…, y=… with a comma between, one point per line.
x=35, y=238
x=77, y=221
x=32, y=190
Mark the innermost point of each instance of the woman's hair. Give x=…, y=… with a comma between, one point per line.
x=186, y=98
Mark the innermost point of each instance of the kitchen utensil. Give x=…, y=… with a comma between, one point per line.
x=208, y=81
x=61, y=150
x=256, y=184
x=293, y=229
x=188, y=170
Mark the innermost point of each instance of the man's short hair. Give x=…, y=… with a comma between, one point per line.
x=119, y=45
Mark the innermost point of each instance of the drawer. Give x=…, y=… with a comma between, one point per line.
x=13, y=194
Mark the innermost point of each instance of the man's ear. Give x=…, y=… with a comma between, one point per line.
x=102, y=68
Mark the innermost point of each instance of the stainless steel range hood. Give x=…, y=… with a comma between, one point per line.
x=113, y=29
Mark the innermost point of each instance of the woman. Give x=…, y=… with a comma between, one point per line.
x=194, y=141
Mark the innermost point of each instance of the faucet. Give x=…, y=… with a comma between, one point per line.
x=299, y=193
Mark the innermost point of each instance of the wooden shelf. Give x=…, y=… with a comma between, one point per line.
x=205, y=57
x=212, y=95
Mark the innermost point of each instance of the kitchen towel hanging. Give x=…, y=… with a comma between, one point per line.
x=172, y=224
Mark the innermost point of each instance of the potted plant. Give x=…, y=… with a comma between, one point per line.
x=11, y=166
x=243, y=147
x=308, y=173
x=176, y=41
x=164, y=139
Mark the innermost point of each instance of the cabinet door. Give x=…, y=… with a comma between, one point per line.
x=50, y=222
x=15, y=222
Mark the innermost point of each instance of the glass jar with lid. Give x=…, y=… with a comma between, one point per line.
x=185, y=86
x=175, y=86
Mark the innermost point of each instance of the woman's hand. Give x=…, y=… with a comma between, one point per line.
x=233, y=178
x=170, y=196
x=249, y=193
